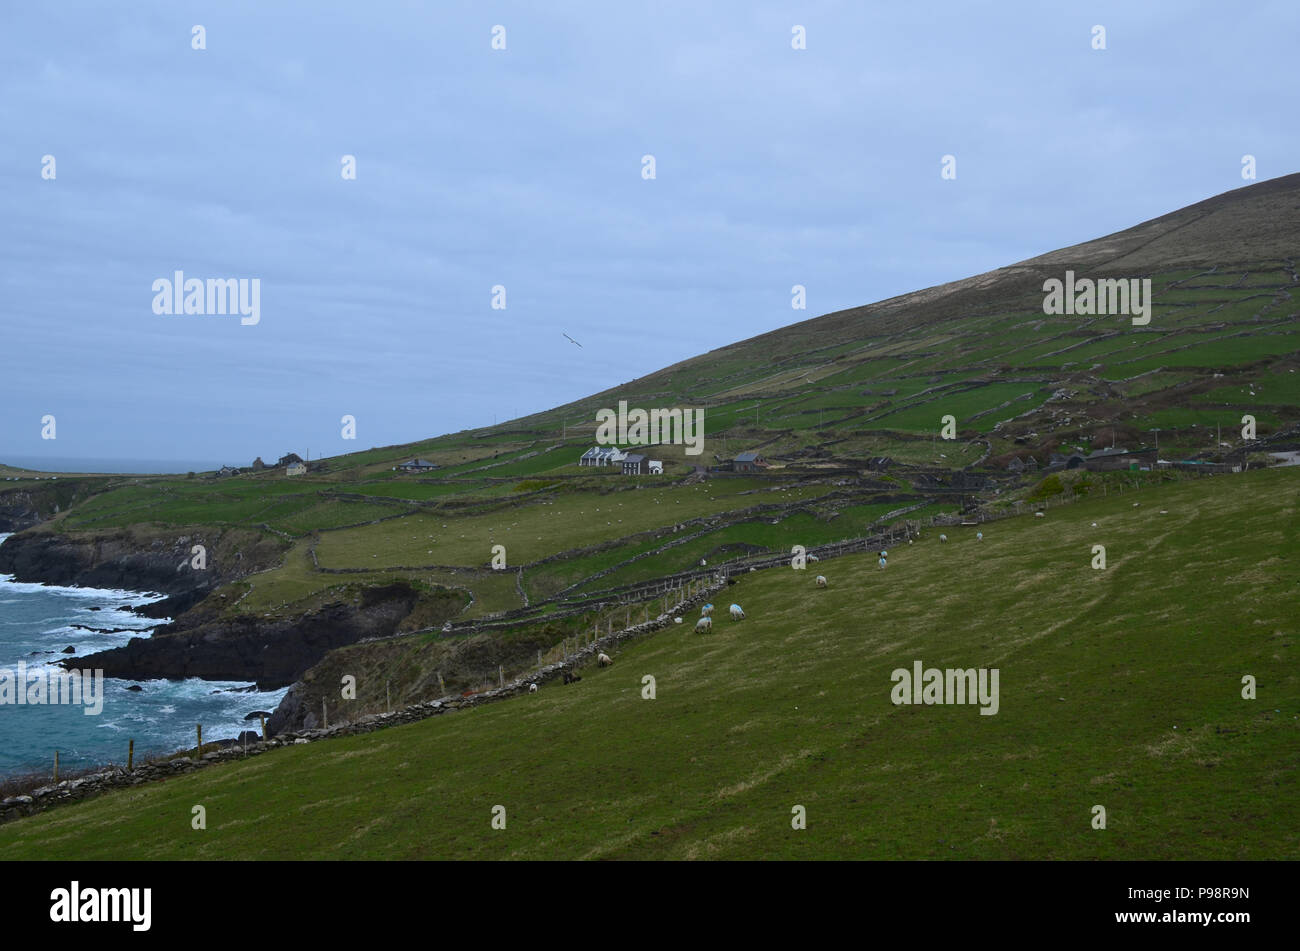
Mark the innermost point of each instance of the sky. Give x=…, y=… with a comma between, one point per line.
x=524, y=168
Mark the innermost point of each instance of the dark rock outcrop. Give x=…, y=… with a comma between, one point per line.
x=272, y=652
x=140, y=560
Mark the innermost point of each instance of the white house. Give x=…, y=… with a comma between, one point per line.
x=295, y=469
x=602, y=456
x=656, y=467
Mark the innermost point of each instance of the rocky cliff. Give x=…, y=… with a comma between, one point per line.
x=274, y=652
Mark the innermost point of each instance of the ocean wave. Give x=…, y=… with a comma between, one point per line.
x=120, y=595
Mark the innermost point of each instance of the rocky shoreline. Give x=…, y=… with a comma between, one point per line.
x=117, y=778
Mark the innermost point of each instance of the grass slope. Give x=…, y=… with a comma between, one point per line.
x=792, y=706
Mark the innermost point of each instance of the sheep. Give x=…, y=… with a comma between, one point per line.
x=736, y=612
x=704, y=624
x=943, y=538
x=813, y=558
x=677, y=620
x=882, y=561
x=604, y=659
x=1040, y=515
x=571, y=678
x=532, y=688
x=706, y=611
x=821, y=581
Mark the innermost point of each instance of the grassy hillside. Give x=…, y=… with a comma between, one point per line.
x=819, y=398
x=1119, y=687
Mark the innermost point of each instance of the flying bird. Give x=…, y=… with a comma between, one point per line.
x=571, y=340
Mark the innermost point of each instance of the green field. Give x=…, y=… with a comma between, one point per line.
x=1118, y=687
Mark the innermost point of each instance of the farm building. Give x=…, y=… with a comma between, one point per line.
x=1027, y=464
x=602, y=456
x=635, y=464
x=1109, y=460
x=656, y=467
x=748, y=462
x=416, y=465
x=227, y=471
x=1073, y=461
x=295, y=469
x=288, y=459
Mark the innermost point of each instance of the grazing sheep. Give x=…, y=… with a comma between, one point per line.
x=604, y=660
x=532, y=688
x=706, y=611
x=1039, y=515
x=1094, y=524
x=979, y=536
x=943, y=538
x=882, y=561
x=704, y=624
x=571, y=678
x=813, y=558
x=677, y=620
x=821, y=581
x=736, y=612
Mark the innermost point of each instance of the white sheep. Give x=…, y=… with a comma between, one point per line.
x=677, y=620
x=979, y=536
x=706, y=611
x=604, y=659
x=821, y=581
x=704, y=624
x=1039, y=515
x=736, y=612
x=532, y=688
x=813, y=558
x=943, y=538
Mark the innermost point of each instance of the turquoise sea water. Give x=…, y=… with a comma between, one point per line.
x=36, y=624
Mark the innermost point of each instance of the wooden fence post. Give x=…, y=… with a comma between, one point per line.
x=198, y=727
x=388, y=696
x=262, y=719
x=56, y=766
x=324, y=715
x=130, y=754
x=442, y=689
x=501, y=675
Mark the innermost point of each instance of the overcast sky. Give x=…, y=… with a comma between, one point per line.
x=523, y=168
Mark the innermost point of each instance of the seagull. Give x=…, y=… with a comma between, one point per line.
x=571, y=340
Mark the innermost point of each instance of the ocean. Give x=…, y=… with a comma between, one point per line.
x=37, y=623
x=127, y=466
